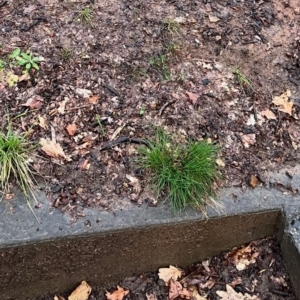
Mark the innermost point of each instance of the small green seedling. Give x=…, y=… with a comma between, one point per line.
x=173, y=49
x=172, y=26
x=160, y=62
x=241, y=78
x=85, y=16
x=25, y=59
x=100, y=124
x=2, y=64
x=65, y=53
x=142, y=111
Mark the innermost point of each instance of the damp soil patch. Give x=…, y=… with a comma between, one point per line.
x=111, y=70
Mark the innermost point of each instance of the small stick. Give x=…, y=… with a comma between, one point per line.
x=165, y=106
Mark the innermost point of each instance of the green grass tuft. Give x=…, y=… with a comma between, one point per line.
x=14, y=161
x=185, y=172
x=85, y=16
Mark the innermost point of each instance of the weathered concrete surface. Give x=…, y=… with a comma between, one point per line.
x=56, y=255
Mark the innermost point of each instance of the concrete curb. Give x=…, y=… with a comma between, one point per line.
x=56, y=255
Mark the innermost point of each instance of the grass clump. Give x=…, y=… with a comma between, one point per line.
x=15, y=153
x=160, y=62
x=241, y=78
x=171, y=26
x=85, y=16
x=186, y=173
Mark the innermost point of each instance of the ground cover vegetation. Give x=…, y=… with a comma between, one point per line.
x=88, y=81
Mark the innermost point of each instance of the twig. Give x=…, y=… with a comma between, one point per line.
x=165, y=106
x=111, y=89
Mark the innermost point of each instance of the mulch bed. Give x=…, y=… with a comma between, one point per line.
x=130, y=72
x=256, y=269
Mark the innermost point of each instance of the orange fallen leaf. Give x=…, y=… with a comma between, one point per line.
x=253, y=181
x=166, y=274
x=82, y=292
x=94, y=99
x=174, y=288
x=283, y=102
x=119, y=294
x=248, y=139
x=193, y=97
x=71, y=128
x=268, y=114
x=52, y=148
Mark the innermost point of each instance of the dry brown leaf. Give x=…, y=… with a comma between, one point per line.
x=253, y=181
x=34, y=102
x=213, y=19
x=94, y=99
x=62, y=106
x=150, y=297
x=166, y=274
x=195, y=294
x=71, y=128
x=118, y=294
x=52, y=148
x=185, y=294
x=82, y=292
x=193, y=97
x=220, y=162
x=174, y=288
x=231, y=294
x=42, y=122
x=283, y=102
x=117, y=132
x=135, y=183
x=268, y=114
x=248, y=139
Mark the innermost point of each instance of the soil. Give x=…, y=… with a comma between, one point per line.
x=265, y=277
x=140, y=64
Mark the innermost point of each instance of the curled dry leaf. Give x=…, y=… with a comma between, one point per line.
x=253, y=181
x=71, y=128
x=231, y=294
x=193, y=97
x=82, y=292
x=94, y=99
x=248, y=139
x=34, y=102
x=283, y=102
x=135, y=183
x=117, y=294
x=166, y=274
x=53, y=149
x=195, y=295
x=268, y=114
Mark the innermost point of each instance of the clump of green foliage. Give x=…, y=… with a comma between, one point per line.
x=241, y=78
x=85, y=16
x=171, y=26
x=15, y=153
x=25, y=59
x=186, y=173
x=65, y=53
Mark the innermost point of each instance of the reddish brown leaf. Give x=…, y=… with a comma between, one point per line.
x=71, y=128
x=268, y=114
x=35, y=102
x=116, y=295
x=94, y=99
x=193, y=97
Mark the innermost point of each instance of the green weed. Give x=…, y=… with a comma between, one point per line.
x=85, y=16
x=185, y=172
x=65, y=53
x=160, y=62
x=171, y=26
x=241, y=78
x=25, y=59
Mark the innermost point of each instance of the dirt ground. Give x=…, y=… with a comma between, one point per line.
x=256, y=269
x=200, y=69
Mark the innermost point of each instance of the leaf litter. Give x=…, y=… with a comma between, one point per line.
x=251, y=272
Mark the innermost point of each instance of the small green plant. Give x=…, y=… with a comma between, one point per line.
x=172, y=26
x=142, y=111
x=85, y=16
x=15, y=153
x=65, y=53
x=160, y=62
x=241, y=78
x=173, y=48
x=100, y=124
x=186, y=173
x=25, y=59
x=2, y=64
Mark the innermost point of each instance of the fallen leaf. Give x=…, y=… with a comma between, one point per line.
x=205, y=264
x=268, y=114
x=71, y=128
x=42, y=122
x=174, y=288
x=117, y=132
x=94, y=99
x=283, y=102
x=82, y=292
x=119, y=294
x=150, y=297
x=195, y=294
x=62, y=106
x=135, y=183
x=220, y=162
x=83, y=92
x=207, y=66
x=34, y=102
x=279, y=280
x=166, y=274
x=193, y=97
x=52, y=148
x=231, y=294
x=24, y=77
x=248, y=139
x=251, y=120
x=213, y=19
x=253, y=181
